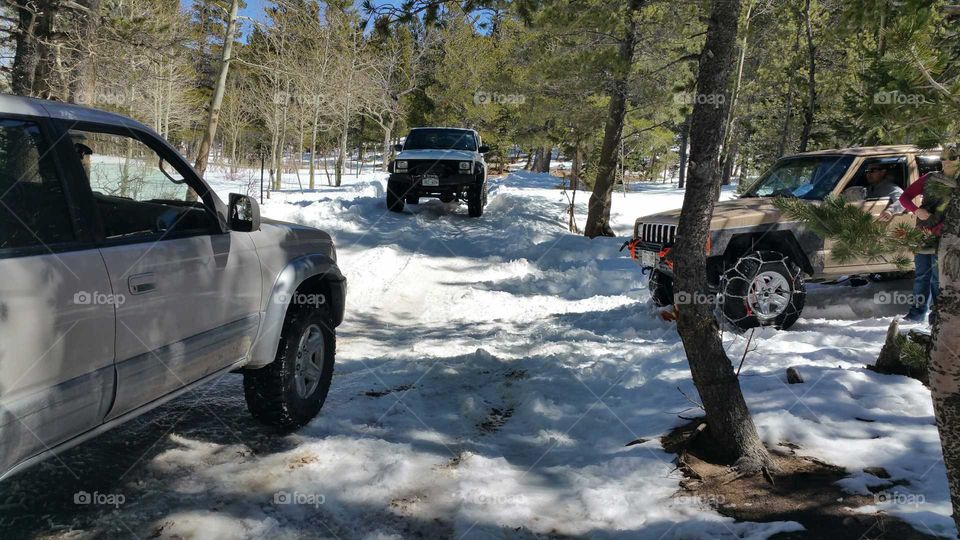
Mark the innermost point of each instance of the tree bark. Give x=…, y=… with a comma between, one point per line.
x=27, y=54
x=684, y=140
x=809, y=109
x=342, y=154
x=728, y=419
x=729, y=130
x=945, y=357
x=730, y=158
x=537, y=159
x=203, y=153
x=575, y=166
x=788, y=114
x=598, y=209
x=387, y=147
x=313, y=147
x=83, y=82
x=363, y=121
x=282, y=141
x=546, y=154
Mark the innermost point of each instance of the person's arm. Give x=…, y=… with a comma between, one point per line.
x=895, y=207
x=913, y=191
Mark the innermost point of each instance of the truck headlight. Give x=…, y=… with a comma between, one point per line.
x=399, y=166
x=465, y=165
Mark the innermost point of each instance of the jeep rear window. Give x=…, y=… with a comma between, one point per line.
x=807, y=177
x=440, y=139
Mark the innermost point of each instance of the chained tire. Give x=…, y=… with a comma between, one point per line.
x=661, y=288
x=764, y=288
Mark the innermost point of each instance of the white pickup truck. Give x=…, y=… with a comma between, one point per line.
x=126, y=281
x=446, y=163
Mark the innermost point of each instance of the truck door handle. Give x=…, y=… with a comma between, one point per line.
x=142, y=283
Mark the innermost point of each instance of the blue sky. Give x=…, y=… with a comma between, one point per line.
x=254, y=9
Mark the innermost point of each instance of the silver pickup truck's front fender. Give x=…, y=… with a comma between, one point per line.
x=316, y=268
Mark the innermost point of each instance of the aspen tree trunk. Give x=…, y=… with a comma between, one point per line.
x=216, y=101
x=945, y=357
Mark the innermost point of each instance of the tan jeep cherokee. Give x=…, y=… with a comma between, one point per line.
x=757, y=260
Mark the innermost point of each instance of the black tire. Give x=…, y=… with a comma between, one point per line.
x=395, y=196
x=412, y=198
x=784, y=296
x=271, y=392
x=661, y=288
x=476, y=199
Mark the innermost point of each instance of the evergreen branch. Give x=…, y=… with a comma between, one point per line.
x=857, y=234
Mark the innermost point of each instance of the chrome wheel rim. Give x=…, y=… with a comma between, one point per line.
x=309, y=364
x=769, y=295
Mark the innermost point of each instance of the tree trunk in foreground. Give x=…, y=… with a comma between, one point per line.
x=598, y=209
x=728, y=419
x=945, y=358
x=216, y=101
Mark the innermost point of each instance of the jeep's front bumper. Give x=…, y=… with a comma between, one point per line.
x=450, y=184
x=651, y=255
x=656, y=256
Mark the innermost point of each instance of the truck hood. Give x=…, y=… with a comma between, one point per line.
x=292, y=239
x=458, y=155
x=734, y=213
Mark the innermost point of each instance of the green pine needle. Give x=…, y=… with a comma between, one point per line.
x=857, y=234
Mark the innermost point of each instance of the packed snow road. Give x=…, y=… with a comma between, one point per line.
x=490, y=374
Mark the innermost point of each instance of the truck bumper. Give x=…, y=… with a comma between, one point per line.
x=446, y=185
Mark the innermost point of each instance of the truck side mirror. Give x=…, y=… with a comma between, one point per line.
x=483, y=149
x=244, y=213
x=398, y=147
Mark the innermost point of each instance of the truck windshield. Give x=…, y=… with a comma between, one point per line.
x=805, y=177
x=440, y=139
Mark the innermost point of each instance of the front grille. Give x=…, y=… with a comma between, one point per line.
x=660, y=233
x=420, y=167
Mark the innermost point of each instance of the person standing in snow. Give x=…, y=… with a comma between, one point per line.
x=930, y=215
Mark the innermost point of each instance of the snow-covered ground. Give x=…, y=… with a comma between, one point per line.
x=490, y=373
